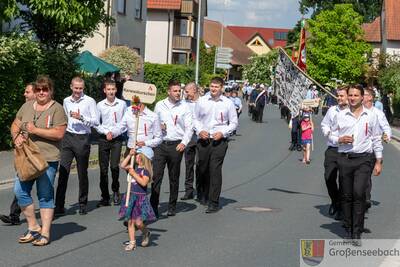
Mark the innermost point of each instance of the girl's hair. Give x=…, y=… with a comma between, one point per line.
x=147, y=165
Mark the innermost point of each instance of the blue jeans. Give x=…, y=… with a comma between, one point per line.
x=44, y=188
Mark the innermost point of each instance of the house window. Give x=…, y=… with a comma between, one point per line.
x=179, y=58
x=138, y=9
x=256, y=43
x=280, y=35
x=121, y=7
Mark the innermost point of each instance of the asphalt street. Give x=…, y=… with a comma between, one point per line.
x=287, y=200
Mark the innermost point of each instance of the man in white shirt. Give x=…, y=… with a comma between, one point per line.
x=177, y=127
x=82, y=115
x=331, y=153
x=191, y=95
x=215, y=120
x=386, y=130
x=111, y=111
x=359, y=138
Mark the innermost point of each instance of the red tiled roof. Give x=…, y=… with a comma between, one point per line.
x=373, y=30
x=246, y=33
x=164, y=4
x=212, y=36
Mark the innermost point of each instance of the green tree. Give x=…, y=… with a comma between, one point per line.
x=336, y=47
x=60, y=23
x=369, y=9
x=260, y=68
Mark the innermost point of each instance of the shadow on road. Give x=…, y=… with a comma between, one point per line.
x=225, y=201
x=91, y=205
x=296, y=192
x=59, y=230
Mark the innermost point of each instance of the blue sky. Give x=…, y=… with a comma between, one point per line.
x=259, y=13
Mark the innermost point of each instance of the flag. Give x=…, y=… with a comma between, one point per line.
x=301, y=60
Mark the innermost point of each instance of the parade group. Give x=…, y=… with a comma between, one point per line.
x=190, y=125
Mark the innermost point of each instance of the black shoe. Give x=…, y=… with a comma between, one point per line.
x=10, y=220
x=103, y=203
x=171, y=212
x=357, y=240
x=368, y=205
x=299, y=148
x=212, y=209
x=348, y=234
x=59, y=211
x=339, y=215
x=292, y=147
x=156, y=213
x=116, y=199
x=332, y=209
x=187, y=196
x=82, y=210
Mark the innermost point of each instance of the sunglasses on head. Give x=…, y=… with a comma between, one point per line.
x=43, y=89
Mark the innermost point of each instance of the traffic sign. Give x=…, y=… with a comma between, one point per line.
x=224, y=66
x=224, y=50
x=224, y=55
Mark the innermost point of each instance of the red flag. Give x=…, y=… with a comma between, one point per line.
x=301, y=61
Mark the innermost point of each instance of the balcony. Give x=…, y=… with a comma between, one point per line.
x=189, y=8
x=182, y=42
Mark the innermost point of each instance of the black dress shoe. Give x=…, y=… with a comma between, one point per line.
x=357, y=240
x=368, y=205
x=10, y=220
x=82, y=210
x=212, y=209
x=116, y=199
x=103, y=203
x=332, y=209
x=339, y=215
x=291, y=148
x=171, y=213
x=59, y=211
x=187, y=196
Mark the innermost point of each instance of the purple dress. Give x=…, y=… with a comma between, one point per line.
x=139, y=205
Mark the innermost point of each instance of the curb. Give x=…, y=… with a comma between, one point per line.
x=73, y=167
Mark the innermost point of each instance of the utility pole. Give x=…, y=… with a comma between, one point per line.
x=199, y=25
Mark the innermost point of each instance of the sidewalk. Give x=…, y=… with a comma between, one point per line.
x=7, y=171
x=396, y=133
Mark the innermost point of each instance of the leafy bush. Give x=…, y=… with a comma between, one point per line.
x=128, y=60
x=21, y=60
x=389, y=80
x=160, y=75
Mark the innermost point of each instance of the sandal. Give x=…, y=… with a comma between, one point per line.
x=131, y=246
x=29, y=236
x=41, y=241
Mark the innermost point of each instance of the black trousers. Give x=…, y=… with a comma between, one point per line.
x=211, y=156
x=15, y=210
x=369, y=184
x=166, y=154
x=354, y=175
x=331, y=174
x=109, y=155
x=74, y=146
x=190, y=157
x=260, y=113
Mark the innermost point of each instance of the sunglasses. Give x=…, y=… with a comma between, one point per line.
x=43, y=89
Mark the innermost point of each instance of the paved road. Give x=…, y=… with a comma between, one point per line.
x=258, y=171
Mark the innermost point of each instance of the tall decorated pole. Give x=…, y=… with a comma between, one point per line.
x=302, y=56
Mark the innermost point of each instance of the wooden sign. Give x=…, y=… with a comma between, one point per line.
x=311, y=103
x=145, y=91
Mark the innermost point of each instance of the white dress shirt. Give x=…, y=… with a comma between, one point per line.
x=383, y=122
x=149, y=127
x=86, y=106
x=215, y=116
x=365, y=131
x=178, y=120
x=327, y=126
x=110, y=116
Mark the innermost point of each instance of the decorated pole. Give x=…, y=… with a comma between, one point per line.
x=136, y=111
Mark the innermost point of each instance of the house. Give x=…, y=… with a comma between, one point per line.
x=171, y=30
x=261, y=40
x=129, y=28
x=384, y=32
x=215, y=32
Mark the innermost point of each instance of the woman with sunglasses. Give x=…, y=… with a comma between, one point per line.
x=44, y=121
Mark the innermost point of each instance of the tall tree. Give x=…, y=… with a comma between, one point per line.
x=369, y=9
x=260, y=68
x=336, y=47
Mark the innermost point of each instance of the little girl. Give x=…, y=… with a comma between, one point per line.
x=139, y=209
x=307, y=129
